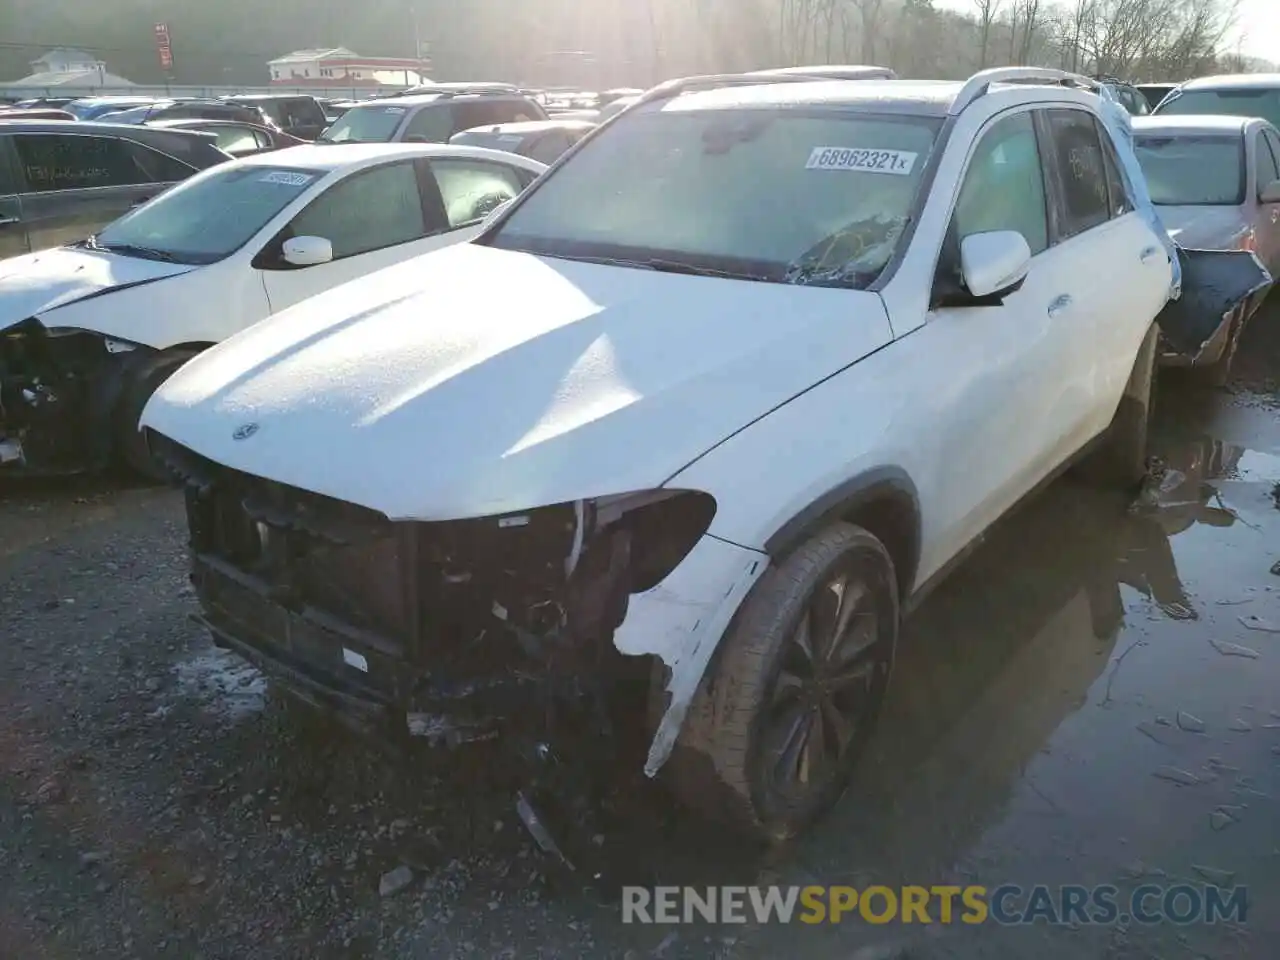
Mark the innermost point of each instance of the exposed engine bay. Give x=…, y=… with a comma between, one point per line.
x=57, y=391
x=490, y=629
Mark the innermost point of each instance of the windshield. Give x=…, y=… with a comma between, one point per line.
x=813, y=197
x=132, y=115
x=1247, y=102
x=207, y=218
x=92, y=110
x=372, y=124
x=1192, y=170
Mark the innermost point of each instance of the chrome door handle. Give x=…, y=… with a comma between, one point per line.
x=1148, y=253
x=1059, y=304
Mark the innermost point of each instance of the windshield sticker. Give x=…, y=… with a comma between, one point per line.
x=395, y=110
x=286, y=178
x=899, y=162
x=509, y=138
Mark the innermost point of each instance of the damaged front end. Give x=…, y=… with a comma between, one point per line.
x=57, y=388
x=494, y=628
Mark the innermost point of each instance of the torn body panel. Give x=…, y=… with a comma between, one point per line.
x=57, y=390
x=681, y=621
x=1215, y=283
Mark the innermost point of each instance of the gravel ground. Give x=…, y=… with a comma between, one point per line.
x=157, y=801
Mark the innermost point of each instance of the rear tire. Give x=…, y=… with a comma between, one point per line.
x=1121, y=459
x=131, y=447
x=779, y=722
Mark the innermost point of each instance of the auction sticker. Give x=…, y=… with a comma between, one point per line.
x=286, y=178
x=899, y=162
x=395, y=110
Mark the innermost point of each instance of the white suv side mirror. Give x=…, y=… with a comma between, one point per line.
x=1270, y=193
x=307, y=251
x=994, y=263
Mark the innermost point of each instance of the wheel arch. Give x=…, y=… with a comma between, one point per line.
x=883, y=500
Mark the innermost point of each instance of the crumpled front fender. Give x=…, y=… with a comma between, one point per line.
x=682, y=620
x=1214, y=283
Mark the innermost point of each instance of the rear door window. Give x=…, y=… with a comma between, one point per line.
x=66, y=162
x=1081, y=172
x=430, y=124
x=471, y=189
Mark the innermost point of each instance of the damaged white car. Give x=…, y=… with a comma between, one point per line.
x=717, y=399
x=88, y=331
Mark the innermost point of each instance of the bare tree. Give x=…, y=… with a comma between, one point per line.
x=988, y=10
x=1032, y=24
x=872, y=21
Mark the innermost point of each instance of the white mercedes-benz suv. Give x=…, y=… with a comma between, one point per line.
x=719, y=396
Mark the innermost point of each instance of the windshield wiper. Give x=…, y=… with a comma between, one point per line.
x=669, y=266
x=134, y=250
x=677, y=266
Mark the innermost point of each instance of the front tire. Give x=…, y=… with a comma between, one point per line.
x=131, y=446
x=777, y=727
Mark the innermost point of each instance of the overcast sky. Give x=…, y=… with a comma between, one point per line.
x=1258, y=28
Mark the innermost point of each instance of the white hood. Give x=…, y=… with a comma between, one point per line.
x=475, y=381
x=36, y=283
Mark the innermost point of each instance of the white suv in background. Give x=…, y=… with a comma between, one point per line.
x=730, y=387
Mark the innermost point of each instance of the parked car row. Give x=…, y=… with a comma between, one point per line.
x=300, y=116
x=478, y=444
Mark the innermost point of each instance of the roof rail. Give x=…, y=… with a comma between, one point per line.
x=980, y=83
x=712, y=81
x=829, y=72
x=446, y=93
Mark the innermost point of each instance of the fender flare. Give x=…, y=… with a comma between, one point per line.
x=846, y=500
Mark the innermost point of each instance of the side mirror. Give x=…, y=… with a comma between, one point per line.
x=307, y=251
x=1270, y=193
x=994, y=263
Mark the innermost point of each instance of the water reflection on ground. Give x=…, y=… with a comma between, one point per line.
x=1047, y=702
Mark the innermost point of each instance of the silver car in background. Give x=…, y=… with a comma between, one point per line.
x=1215, y=181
